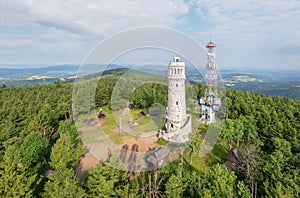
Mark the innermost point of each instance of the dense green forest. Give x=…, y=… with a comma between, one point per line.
x=265, y=129
x=289, y=89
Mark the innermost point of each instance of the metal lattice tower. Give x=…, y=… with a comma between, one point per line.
x=210, y=102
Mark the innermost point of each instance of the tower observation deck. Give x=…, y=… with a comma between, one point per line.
x=210, y=103
x=179, y=125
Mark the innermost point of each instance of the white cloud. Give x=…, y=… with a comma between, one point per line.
x=101, y=18
x=248, y=32
x=43, y=24
x=253, y=32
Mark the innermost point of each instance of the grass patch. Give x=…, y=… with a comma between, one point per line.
x=109, y=123
x=92, y=136
x=135, y=112
x=198, y=162
x=145, y=124
x=116, y=138
x=143, y=120
x=162, y=142
x=217, y=154
x=203, y=128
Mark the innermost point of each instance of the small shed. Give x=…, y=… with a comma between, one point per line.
x=128, y=104
x=49, y=172
x=54, y=135
x=144, y=112
x=101, y=114
x=158, y=157
x=233, y=159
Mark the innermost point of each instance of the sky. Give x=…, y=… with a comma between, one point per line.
x=248, y=33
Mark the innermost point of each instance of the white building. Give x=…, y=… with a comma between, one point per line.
x=178, y=122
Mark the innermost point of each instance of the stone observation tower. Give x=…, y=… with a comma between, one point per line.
x=178, y=124
x=210, y=103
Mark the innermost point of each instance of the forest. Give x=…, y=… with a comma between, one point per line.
x=37, y=134
x=289, y=89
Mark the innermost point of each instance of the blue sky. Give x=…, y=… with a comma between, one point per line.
x=249, y=33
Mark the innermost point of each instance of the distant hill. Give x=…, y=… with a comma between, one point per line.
x=272, y=82
x=57, y=71
x=46, y=75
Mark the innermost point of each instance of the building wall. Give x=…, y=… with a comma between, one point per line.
x=208, y=113
x=176, y=112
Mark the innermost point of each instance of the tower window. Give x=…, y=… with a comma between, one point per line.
x=171, y=125
x=176, y=102
x=175, y=71
x=176, y=85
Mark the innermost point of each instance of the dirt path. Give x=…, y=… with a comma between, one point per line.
x=87, y=161
x=144, y=143
x=148, y=141
x=126, y=112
